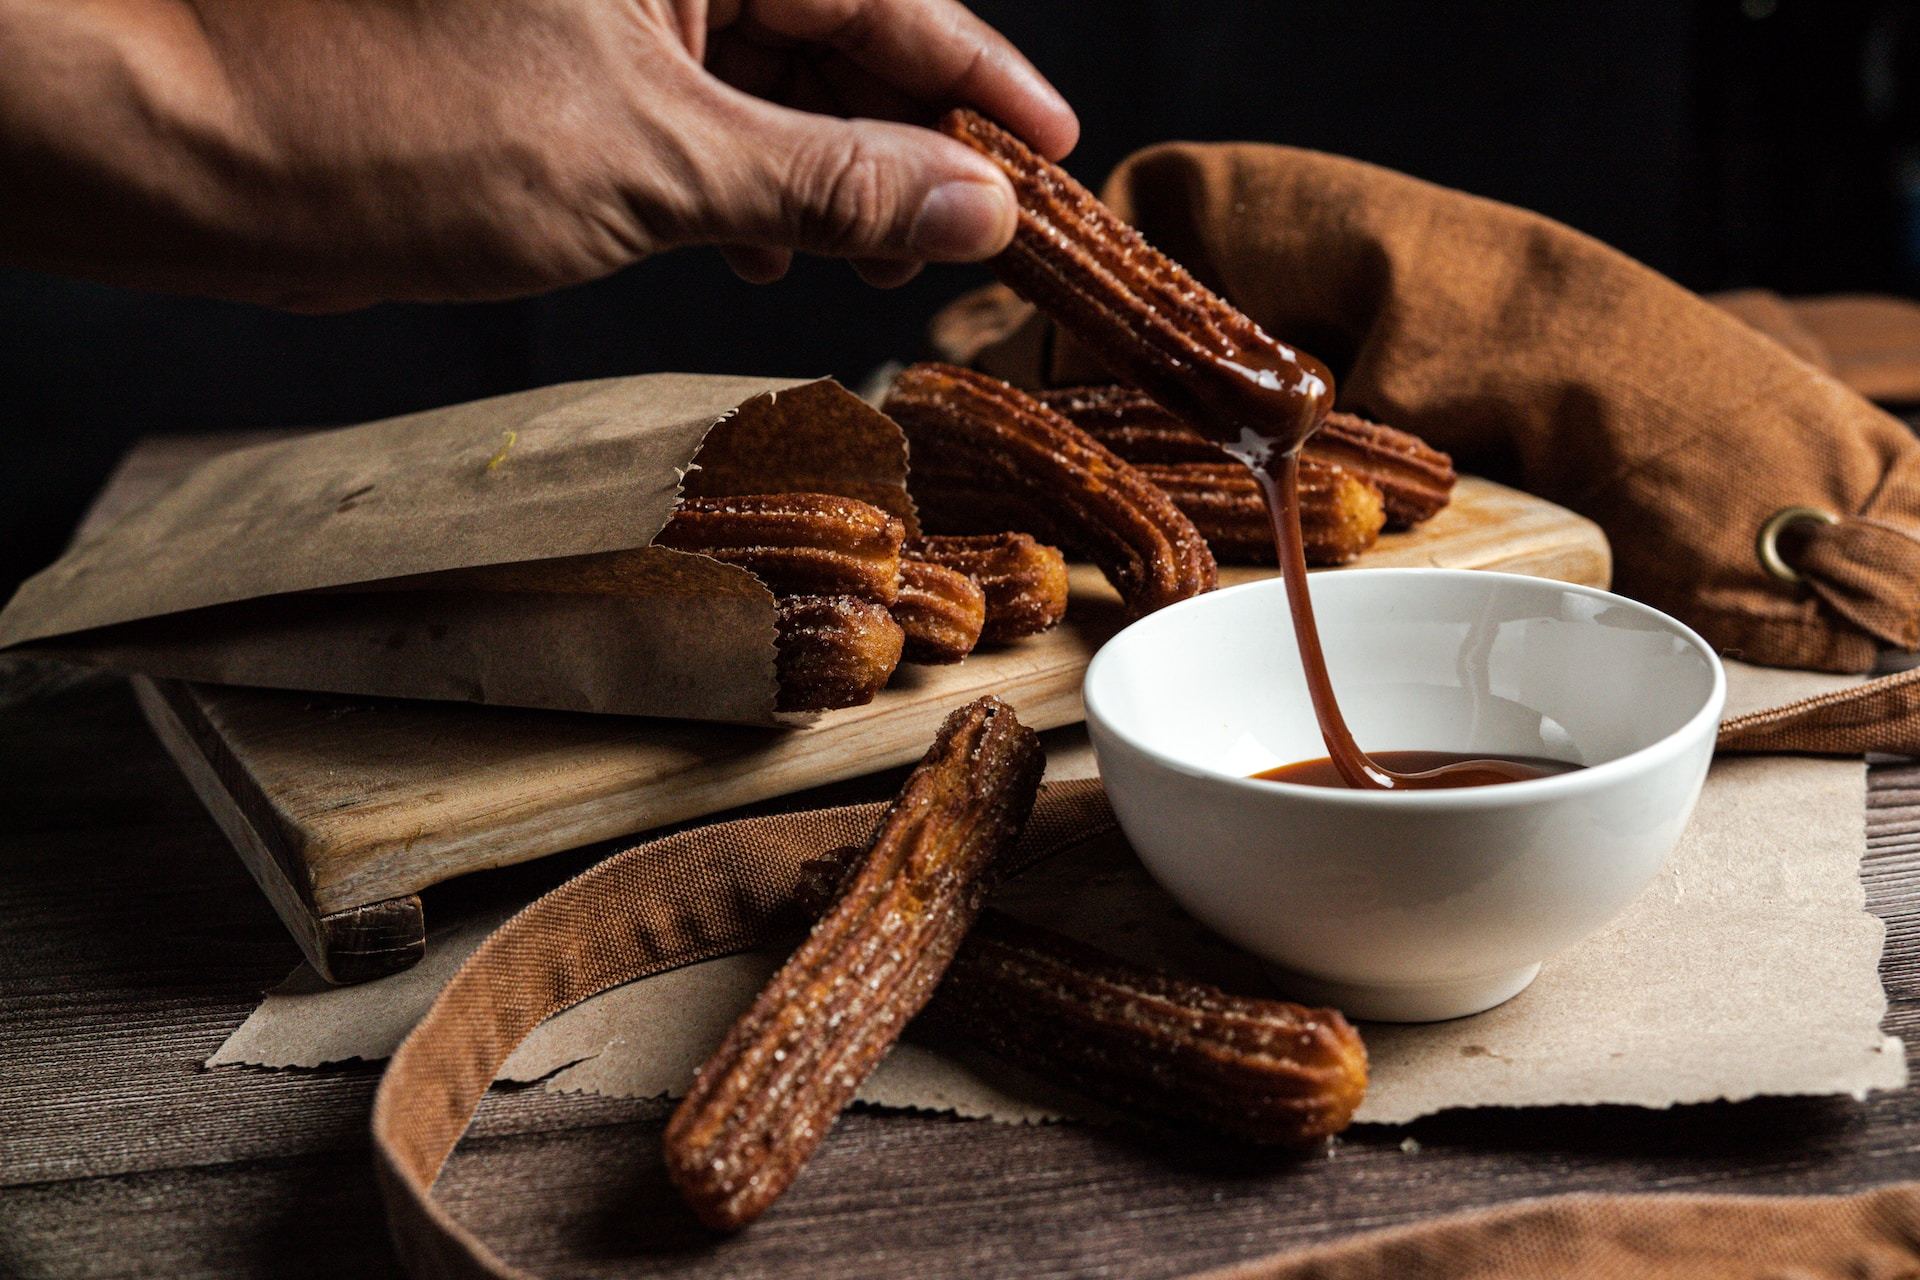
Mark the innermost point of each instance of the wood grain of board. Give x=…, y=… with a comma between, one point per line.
x=345, y=808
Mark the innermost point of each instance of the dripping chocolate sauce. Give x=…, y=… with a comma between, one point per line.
x=1301, y=395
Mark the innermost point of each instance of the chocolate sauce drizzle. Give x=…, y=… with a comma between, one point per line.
x=1304, y=395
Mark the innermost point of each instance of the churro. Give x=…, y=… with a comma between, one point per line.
x=1025, y=581
x=769, y=1094
x=987, y=457
x=796, y=543
x=1340, y=514
x=833, y=651
x=941, y=610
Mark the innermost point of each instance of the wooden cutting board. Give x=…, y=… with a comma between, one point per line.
x=345, y=808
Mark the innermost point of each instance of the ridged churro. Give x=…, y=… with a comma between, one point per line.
x=769, y=1094
x=941, y=610
x=1131, y=423
x=833, y=651
x=796, y=543
x=1166, y=1048
x=1025, y=581
x=987, y=457
x=1248, y=1068
x=1340, y=514
x=1142, y=314
x=1415, y=479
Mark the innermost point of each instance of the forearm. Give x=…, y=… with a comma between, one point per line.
x=213, y=148
x=119, y=140
x=331, y=153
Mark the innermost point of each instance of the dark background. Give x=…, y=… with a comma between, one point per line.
x=1725, y=142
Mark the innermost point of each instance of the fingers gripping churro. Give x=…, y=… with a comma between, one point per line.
x=1141, y=313
x=780, y=1079
x=941, y=610
x=1013, y=457
x=1025, y=581
x=796, y=543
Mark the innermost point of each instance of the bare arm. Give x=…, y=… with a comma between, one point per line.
x=321, y=154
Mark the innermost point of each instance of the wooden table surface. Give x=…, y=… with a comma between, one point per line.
x=132, y=943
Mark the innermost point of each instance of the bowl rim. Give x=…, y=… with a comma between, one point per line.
x=1534, y=790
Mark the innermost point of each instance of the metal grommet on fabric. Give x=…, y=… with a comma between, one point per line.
x=1767, y=544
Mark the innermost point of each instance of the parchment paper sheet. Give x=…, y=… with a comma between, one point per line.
x=1750, y=967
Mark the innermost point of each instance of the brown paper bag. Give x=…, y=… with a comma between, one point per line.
x=265, y=566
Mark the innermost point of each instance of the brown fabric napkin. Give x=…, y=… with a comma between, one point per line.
x=1680, y=1237
x=670, y=902
x=1868, y=341
x=1536, y=354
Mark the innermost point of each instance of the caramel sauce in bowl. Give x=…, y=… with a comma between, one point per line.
x=1407, y=905
x=1436, y=769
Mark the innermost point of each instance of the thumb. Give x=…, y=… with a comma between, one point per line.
x=852, y=189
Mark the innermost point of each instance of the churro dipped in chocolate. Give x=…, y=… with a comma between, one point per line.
x=988, y=457
x=1142, y=314
x=833, y=651
x=1340, y=514
x=796, y=543
x=1415, y=479
x=780, y=1079
x=941, y=610
x=1025, y=581
x=1159, y=329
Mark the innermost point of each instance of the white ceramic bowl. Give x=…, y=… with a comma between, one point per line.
x=1409, y=906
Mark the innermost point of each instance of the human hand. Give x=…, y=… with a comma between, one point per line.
x=322, y=155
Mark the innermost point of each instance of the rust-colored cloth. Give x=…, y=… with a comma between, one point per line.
x=692, y=896
x=1880, y=716
x=1868, y=341
x=1536, y=354
x=1872, y=1236
x=723, y=888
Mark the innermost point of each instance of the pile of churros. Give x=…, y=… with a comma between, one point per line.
x=1005, y=482
x=855, y=597
x=1356, y=477
x=1107, y=473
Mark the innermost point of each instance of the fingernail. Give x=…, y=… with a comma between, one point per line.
x=962, y=220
